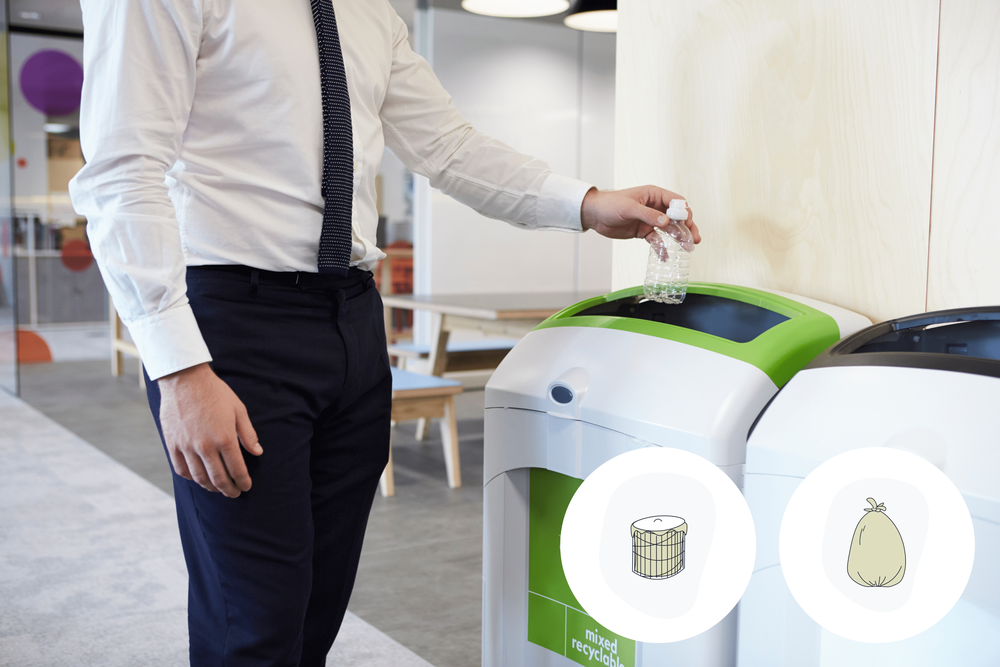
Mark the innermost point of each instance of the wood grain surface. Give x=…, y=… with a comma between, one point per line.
x=964, y=269
x=801, y=131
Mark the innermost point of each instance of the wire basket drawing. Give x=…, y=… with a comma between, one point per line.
x=658, y=546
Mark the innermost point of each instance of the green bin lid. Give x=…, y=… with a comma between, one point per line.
x=776, y=334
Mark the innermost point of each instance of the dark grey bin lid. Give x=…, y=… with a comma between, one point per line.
x=964, y=340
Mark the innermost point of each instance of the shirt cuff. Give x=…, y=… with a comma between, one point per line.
x=169, y=342
x=559, y=203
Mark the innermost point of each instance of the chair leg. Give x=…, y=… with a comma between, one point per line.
x=421, y=429
x=116, y=334
x=387, y=483
x=449, y=440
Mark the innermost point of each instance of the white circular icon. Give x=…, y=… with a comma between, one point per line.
x=876, y=545
x=658, y=545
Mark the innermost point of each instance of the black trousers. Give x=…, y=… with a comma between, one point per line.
x=271, y=572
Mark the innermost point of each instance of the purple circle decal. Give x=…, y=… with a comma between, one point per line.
x=51, y=82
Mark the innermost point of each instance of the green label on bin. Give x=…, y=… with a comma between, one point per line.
x=556, y=620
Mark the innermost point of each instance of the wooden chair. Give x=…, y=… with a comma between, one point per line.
x=416, y=396
x=473, y=355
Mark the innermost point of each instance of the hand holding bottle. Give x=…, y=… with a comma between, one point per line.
x=669, y=261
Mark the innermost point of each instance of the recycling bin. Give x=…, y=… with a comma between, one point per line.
x=926, y=386
x=599, y=379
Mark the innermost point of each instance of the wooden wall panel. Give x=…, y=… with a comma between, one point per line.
x=800, y=130
x=965, y=222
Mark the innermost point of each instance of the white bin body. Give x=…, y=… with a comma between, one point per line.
x=949, y=418
x=630, y=391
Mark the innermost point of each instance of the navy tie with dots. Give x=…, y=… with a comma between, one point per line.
x=338, y=145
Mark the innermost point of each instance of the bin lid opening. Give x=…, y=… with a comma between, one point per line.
x=729, y=319
x=977, y=338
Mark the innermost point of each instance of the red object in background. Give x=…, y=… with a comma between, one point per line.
x=22, y=163
x=402, y=283
x=402, y=270
x=32, y=348
x=76, y=255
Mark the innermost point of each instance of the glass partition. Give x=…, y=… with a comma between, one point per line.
x=8, y=293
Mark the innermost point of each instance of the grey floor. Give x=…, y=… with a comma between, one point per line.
x=420, y=580
x=8, y=349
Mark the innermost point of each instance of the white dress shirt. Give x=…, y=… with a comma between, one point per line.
x=202, y=127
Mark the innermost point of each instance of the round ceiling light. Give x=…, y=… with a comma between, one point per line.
x=515, y=8
x=594, y=16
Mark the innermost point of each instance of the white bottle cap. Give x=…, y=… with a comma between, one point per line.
x=677, y=210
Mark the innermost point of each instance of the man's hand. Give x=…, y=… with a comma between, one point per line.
x=632, y=213
x=204, y=424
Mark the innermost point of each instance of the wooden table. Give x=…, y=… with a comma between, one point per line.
x=511, y=315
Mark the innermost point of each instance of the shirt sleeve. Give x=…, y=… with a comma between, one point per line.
x=429, y=136
x=139, y=80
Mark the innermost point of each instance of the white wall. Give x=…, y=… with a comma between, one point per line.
x=597, y=148
x=547, y=91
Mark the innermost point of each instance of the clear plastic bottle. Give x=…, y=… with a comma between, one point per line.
x=669, y=257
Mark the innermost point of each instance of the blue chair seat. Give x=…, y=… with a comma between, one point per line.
x=408, y=382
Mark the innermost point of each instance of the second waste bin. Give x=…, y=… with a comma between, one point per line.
x=601, y=378
x=926, y=386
